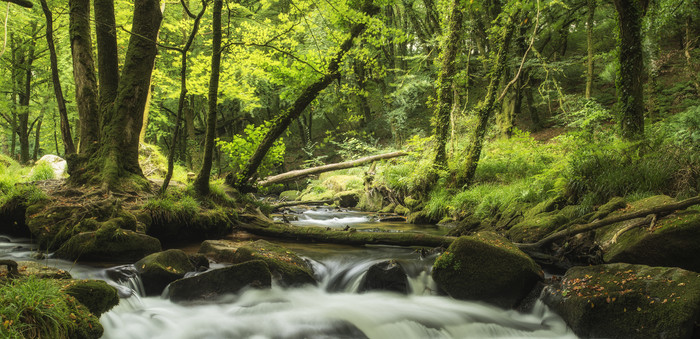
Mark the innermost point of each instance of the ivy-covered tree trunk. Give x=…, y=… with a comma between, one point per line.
x=245, y=179
x=68, y=146
x=589, y=36
x=445, y=95
x=110, y=134
x=630, y=95
x=201, y=182
x=486, y=107
x=24, y=87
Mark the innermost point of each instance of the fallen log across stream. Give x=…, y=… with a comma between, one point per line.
x=291, y=175
x=261, y=225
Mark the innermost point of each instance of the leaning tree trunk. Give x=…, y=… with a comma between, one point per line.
x=445, y=95
x=486, y=107
x=201, y=182
x=68, y=145
x=244, y=181
x=630, y=95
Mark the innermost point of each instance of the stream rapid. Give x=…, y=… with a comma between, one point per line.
x=332, y=309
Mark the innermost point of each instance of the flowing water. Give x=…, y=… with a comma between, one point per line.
x=332, y=309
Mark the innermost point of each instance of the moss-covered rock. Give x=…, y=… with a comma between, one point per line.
x=12, y=216
x=549, y=205
x=157, y=270
x=287, y=267
x=110, y=244
x=32, y=268
x=420, y=217
x=627, y=301
x=199, y=261
x=613, y=205
x=215, y=283
x=486, y=267
x=176, y=225
x=98, y=296
x=401, y=210
x=385, y=276
x=388, y=208
x=348, y=199
x=534, y=228
x=289, y=195
x=340, y=183
x=411, y=204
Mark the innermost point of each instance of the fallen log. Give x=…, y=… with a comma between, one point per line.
x=291, y=175
x=582, y=228
x=259, y=226
x=301, y=203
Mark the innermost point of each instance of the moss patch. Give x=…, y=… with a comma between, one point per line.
x=98, y=296
x=157, y=270
x=536, y=227
x=486, y=267
x=109, y=244
x=627, y=301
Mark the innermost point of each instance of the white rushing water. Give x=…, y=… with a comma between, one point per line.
x=332, y=309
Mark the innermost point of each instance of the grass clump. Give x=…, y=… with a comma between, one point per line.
x=42, y=171
x=37, y=308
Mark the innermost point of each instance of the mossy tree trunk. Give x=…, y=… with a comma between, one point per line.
x=445, y=95
x=111, y=158
x=486, y=107
x=630, y=95
x=68, y=146
x=246, y=177
x=589, y=36
x=201, y=182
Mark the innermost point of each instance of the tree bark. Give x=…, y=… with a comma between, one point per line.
x=244, y=180
x=107, y=56
x=84, y=75
x=68, y=146
x=292, y=175
x=37, y=139
x=201, y=182
x=485, y=108
x=445, y=96
x=589, y=37
x=630, y=95
x=25, y=87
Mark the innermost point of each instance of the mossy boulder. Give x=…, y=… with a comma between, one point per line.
x=411, y=204
x=32, y=268
x=628, y=301
x=12, y=216
x=486, y=267
x=385, y=276
x=348, y=199
x=614, y=204
x=420, y=217
x=401, y=210
x=388, y=208
x=170, y=225
x=215, y=283
x=199, y=261
x=289, y=195
x=340, y=183
x=98, y=296
x=287, y=267
x=109, y=244
x=157, y=270
x=536, y=227
x=674, y=240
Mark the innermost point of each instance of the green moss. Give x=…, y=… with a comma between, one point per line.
x=289, y=195
x=401, y=210
x=537, y=227
x=627, y=301
x=289, y=267
x=157, y=270
x=486, y=267
x=98, y=296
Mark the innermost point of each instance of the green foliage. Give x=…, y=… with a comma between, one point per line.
x=587, y=115
x=353, y=148
x=685, y=129
x=42, y=171
x=37, y=308
x=242, y=147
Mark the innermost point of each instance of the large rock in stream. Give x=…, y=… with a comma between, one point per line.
x=157, y=270
x=212, y=284
x=108, y=244
x=486, y=267
x=286, y=266
x=628, y=301
x=385, y=276
x=673, y=241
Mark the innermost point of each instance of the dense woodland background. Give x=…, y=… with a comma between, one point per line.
x=423, y=75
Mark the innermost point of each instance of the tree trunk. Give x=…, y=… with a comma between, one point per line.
x=589, y=35
x=485, y=108
x=244, y=180
x=292, y=175
x=630, y=95
x=107, y=56
x=26, y=61
x=201, y=182
x=445, y=96
x=183, y=96
x=113, y=161
x=37, y=139
x=84, y=75
x=68, y=145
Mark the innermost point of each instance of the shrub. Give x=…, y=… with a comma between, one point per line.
x=242, y=147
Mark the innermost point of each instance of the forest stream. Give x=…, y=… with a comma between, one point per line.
x=332, y=309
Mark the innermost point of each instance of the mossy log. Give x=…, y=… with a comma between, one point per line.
x=256, y=225
x=582, y=228
x=300, y=203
